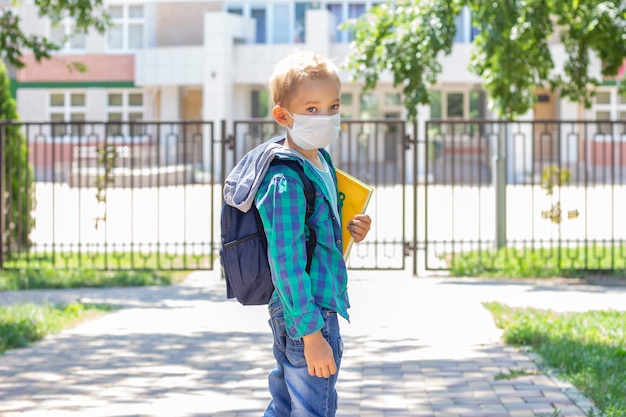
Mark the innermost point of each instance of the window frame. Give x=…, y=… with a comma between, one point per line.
x=125, y=22
x=67, y=25
x=125, y=109
x=68, y=112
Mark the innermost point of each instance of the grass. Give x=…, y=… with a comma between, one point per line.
x=22, y=325
x=539, y=262
x=156, y=259
x=587, y=349
x=58, y=278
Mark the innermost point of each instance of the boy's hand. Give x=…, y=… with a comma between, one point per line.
x=359, y=226
x=319, y=356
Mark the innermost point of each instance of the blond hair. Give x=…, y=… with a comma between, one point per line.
x=297, y=67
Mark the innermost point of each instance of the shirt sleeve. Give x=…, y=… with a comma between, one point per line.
x=282, y=206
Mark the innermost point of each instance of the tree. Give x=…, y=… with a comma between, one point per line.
x=17, y=176
x=511, y=53
x=17, y=187
x=87, y=14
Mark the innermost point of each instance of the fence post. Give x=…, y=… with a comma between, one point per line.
x=499, y=179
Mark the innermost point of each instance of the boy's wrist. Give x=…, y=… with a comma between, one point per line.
x=313, y=337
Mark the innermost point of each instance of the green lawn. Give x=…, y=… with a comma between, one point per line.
x=586, y=349
x=539, y=262
x=50, y=277
x=21, y=325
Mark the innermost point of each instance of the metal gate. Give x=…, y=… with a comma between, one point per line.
x=135, y=195
x=547, y=188
x=132, y=195
x=378, y=152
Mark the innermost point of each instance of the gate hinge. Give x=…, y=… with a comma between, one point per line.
x=230, y=141
x=409, y=248
x=408, y=142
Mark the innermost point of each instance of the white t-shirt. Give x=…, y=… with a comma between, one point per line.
x=327, y=178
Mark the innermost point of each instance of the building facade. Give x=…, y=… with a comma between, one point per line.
x=165, y=60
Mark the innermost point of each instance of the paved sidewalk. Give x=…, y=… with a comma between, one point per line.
x=415, y=347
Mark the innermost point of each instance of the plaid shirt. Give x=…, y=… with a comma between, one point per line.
x=282, y=206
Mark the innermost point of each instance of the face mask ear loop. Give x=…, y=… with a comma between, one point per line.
x=285, y=110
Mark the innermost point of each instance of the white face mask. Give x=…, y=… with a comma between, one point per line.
x=313, y=132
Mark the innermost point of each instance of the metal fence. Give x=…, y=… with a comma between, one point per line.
x=554, y=190
x=132, y=195
x=108, y=195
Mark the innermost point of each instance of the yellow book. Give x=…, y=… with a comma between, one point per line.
x=355, y=195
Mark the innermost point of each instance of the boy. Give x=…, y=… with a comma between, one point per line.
x=306, y=90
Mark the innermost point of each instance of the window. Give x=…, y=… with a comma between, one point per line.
x=260, y=103
x=337, y=11
x=238, y=10
x=477, y=104
x=603, y=97
x=454, y=105
x=64, y=34
x=369, y=106
x=604, y=128
x=354, y=10
x=347, y=99
x=66, y=107
x=468, y=104
x=393, y=99
x=125, y=106
x=258, y=14
x=127, y=30
x=459, y=35
x=299, y=29
x=435, y=104
x=281, y=25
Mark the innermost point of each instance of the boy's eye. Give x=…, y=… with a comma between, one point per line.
x=334, y=107
x=311, y=109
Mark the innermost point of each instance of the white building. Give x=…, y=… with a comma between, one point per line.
x=210, y=60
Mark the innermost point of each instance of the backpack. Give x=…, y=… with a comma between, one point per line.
x=243, y=253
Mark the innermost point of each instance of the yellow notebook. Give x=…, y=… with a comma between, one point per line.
x=355, y=195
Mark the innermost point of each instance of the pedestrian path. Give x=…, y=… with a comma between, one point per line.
x=415, y=347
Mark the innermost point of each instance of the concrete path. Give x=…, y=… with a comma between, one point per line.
x=415, y=347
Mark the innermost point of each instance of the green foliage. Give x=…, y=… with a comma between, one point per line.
x=17, y=198
x=551, y=177
x=588, y=349
x=87, y=14
x=154, y=259
x=538, y=262
x=107, y=157
x=50, y=278
x=405, y=37
x=510, y=52
x=24, y=324
x=515, y=373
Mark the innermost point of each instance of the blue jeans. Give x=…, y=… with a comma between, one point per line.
x=294, y=392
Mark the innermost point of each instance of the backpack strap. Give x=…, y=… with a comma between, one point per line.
x=309, y=194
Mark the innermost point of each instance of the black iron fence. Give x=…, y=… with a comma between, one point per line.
x=148, y=194
x=499, y=192
x=107, y=195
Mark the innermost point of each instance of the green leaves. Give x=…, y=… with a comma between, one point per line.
x=586, y=349
x=404, y=38
x=512, y=54
x=513, y=51
x=87, y=15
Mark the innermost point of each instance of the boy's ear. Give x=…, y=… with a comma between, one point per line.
x=279, y=115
